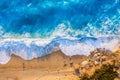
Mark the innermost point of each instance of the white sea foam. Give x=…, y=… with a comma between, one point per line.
x=33, y=48
x=4, y=57
x=83, y=48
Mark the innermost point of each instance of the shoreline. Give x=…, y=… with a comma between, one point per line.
x=54, y=66
x=51, y=60
x=29, y=50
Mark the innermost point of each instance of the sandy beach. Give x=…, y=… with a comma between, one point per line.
x=55, y=66
x=51, y=67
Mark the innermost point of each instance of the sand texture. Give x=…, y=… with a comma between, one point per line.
x=51, y=67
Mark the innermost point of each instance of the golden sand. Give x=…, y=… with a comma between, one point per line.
x=51, y=67
x=56, y=66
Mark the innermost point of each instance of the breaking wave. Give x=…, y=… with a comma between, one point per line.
x=29, y=49
x=35, y=28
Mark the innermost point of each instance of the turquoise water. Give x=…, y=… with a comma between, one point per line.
x=34, y=28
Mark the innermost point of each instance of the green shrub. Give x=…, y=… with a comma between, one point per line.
x=104, y=73
x=84, y=77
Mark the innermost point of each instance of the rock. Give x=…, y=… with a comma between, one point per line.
x=98, y=50
x=92, y=53
x=95, y=55
x=77, y=72
x=65, y=65
x=118, y=71
x=96, y=63
x=98, y=54
x=108, y=52
x=103, y=58
x=117, y=64
x=97, y=59
x=84, y=64
x=103, y=51
x=71, y=64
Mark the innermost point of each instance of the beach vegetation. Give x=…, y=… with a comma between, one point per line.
x=106, y=72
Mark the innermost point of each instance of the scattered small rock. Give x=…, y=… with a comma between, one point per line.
x=84, y=64
x=65, y=65
x=77, y=72
x=71, y=64
x=118, y=72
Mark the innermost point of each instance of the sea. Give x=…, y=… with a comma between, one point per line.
x=35, y=28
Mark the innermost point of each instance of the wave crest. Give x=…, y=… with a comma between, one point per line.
x=29, y=49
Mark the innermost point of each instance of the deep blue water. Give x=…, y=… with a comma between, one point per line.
x=40, y=18
x=34, y=28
